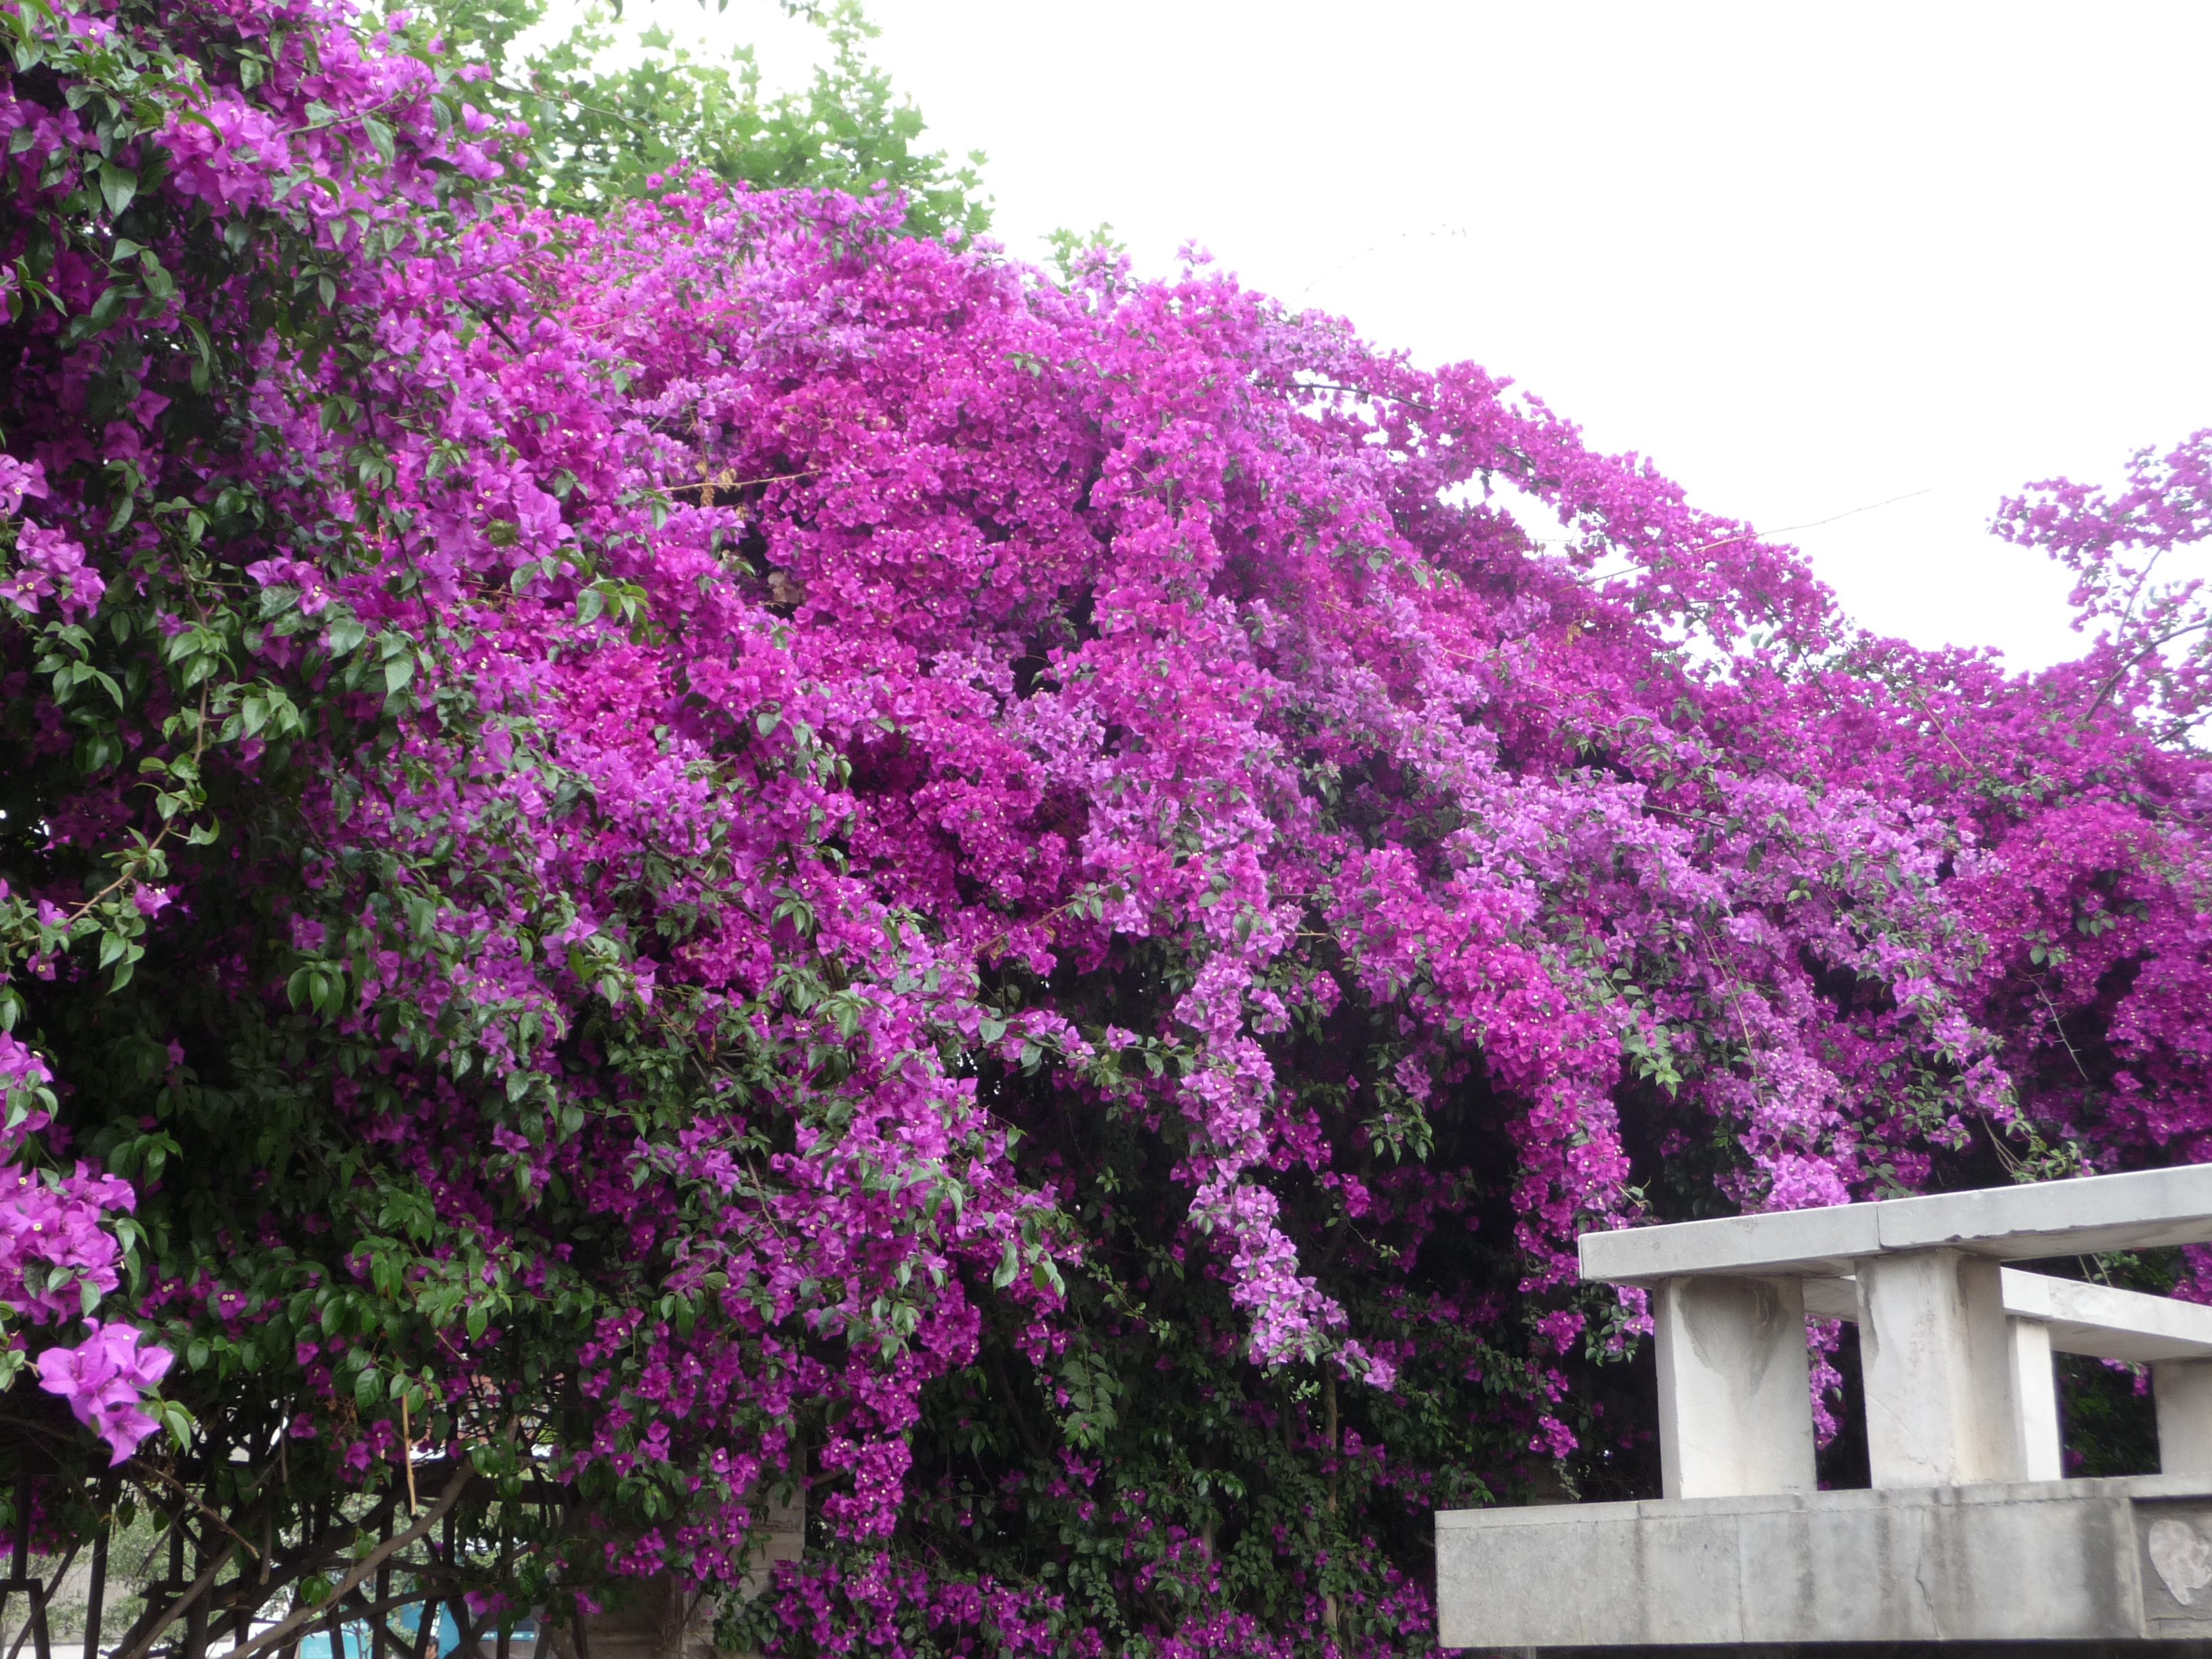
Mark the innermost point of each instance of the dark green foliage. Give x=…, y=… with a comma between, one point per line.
x=2107, y=1415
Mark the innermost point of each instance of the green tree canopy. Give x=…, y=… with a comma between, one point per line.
x=599, y=132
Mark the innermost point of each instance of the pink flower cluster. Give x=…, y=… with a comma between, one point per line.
x=48, y=564
x=58, y=1258
x=105, y=1379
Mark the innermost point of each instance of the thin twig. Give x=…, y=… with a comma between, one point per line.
x=1707, y=547
x=2121, y=673
x=136, y=1466
x=199, y=747
x=1943, y=731
x=178, y=1608
x=1814, y=523
x=2058, y=1025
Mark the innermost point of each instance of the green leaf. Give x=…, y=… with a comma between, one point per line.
x=379, y=136
x=116, y=186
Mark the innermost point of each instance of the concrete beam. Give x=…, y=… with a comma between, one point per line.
x=2106, y=1323
x=1792, y=1243
x=2136, y=1211
x=1832, y=1298
x=2095, y=1320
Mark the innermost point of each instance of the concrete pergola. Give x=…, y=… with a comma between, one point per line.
x=1968, y=1532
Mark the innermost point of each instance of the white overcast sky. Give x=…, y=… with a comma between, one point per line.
x=1806, y=257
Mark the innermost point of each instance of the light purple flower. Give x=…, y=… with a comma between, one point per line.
x=105, y=1378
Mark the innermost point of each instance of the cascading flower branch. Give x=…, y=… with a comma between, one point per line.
x=58, y=1254
x=726, y=850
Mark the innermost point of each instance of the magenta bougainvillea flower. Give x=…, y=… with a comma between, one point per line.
x=105, y=1378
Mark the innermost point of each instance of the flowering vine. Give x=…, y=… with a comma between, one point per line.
x=658, y=860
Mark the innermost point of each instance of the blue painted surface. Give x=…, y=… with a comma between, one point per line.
x=355, y=1641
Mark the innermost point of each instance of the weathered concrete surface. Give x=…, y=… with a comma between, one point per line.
x=1734, y=1404
x=2037, y=1450
x=2070, y=1561
x=2106, y=1323
x=1938, y=1367
x=2136, y=1211
x=1824, y=1243
x=2183, y=1390
x=2095, y=1320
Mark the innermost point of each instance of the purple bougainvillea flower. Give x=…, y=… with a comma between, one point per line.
x=105, y=1379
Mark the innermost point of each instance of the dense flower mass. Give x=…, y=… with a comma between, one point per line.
x=723, y=848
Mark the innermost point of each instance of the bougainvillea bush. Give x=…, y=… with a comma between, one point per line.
x=654, y=861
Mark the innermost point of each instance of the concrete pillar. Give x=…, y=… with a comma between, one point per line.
x=2183, y=1389
x=660, y=1619
x=1937, y=1364
x=2037, y=1446
x=787, y=1540
x=1736, y=1407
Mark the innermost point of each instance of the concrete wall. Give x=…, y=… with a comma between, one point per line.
x=2077, y=1560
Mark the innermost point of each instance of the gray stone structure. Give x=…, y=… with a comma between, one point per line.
x=662, y=1620
x=1967, y=1533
